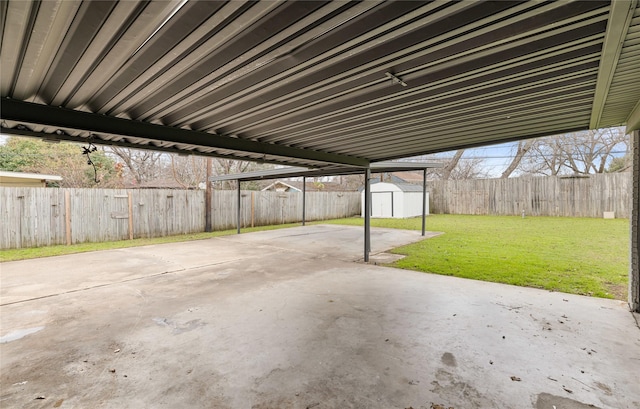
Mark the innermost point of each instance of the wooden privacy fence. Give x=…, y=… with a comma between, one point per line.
x=34, y=217
x=537, y=196
x=269, y=208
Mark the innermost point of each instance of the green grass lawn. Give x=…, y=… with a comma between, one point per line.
x=573, y=255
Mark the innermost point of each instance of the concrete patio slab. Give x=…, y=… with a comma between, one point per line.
x=278, y=320
x=55, y=275
x=345, y=242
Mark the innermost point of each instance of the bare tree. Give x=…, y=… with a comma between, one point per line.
x=469, y=168
x=592, y=152
x=546, y=157
x=574, y=153
x=351, y=182
x=451, y=164
x=142, y=165
x=521, y=150
x=188, y=171
x=458, y=167
x=231, y=166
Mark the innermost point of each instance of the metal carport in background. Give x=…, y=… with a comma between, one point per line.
x=378, y=167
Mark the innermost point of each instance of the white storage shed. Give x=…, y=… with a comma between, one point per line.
x=396, y=200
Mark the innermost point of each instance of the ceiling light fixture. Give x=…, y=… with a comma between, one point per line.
x=395, y=79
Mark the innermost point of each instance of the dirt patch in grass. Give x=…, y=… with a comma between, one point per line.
x=618, y=291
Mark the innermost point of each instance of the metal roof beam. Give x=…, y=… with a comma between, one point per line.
x=262, y=174
x=633, y=121
x=30, y=113
x=617, y=26
x=393, y=166
x=122, y=142
x=289, y=172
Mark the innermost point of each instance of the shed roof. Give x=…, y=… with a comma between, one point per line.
x=408, y=187
x=316, y=83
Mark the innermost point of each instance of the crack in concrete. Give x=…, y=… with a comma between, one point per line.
x=127, y=280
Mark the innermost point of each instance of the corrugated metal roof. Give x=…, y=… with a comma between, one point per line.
x=625, y=88
x=312, y=83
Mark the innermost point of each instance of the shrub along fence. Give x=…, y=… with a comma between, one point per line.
x=34, y=217
x=537, y=196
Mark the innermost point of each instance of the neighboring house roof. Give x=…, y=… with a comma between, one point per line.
x=21, y=179
x=294, y=185
x=400, y=177
x=388, y=179
x=23, y=175
x=280, y=185
x=409, y=177
x=408, y=187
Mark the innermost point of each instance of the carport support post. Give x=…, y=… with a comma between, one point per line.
x=238, y=210
x=367, y=214
x=634, y=219
x=424, y=199
x=304, y=199
x=207, y=198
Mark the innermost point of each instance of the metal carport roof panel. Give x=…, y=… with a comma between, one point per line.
x=315, y=83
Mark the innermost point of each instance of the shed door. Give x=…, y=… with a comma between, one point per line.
x=381, y=204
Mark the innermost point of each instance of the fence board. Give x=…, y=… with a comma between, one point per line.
x=36, y=216
x=536, y=196
x=281, y=207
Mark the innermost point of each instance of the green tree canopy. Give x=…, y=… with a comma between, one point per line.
x=19, y=154
x=64, y=159
x=620, y=164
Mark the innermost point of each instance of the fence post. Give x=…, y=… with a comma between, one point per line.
x=67, y=215
x=253, y=208
x=424, y=200
x=304, y=200
x=130, y=203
